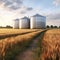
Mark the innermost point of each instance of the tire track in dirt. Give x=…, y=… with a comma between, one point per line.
x=29, y=54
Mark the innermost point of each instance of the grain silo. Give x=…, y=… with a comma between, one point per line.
x=24, y=23
x=37, y=21
x=16, y=23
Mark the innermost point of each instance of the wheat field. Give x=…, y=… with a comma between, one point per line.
x=10, y=46
x=51, y=45
x=15, y=31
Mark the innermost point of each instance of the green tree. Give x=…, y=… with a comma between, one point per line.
x=55, y=27
x=47, y=26
x=52, y=26
x=8, y=26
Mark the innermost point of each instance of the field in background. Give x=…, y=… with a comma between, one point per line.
x=15, y=31
x=11, y=46
x=51, y=45
x=5, y=33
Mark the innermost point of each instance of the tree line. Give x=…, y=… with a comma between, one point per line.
x=51, y=26
x=8, y=26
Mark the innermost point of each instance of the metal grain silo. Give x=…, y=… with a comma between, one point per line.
x=24, y=23
x=37, y=21
x=16, y=24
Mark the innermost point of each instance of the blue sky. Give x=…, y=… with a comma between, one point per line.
x=12, y=9
x=38, y=3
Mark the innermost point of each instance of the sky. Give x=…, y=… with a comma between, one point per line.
x=12, y=9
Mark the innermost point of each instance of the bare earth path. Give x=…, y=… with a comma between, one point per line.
x=28, y=54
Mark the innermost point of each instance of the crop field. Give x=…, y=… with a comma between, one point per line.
x=15, y=41
x=4, y=32
x=51, y=45
x=11, y=46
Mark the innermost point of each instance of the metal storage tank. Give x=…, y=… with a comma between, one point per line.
x=37, y=21
x=16, y=24
x=24, y=23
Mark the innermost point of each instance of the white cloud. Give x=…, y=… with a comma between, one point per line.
x=55, y=16
x=12, y=4
x=15, y=6
x=7, y=16
x=53, y=19
x=56, y=2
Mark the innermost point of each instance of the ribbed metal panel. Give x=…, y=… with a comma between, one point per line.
x=16, y=24
x=37, y=21
x=24, y=23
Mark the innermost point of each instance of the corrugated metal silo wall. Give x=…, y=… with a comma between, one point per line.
x=33, y=23
x=16, y=24
x=40, y=22
x=37, y=22
x=24, y=24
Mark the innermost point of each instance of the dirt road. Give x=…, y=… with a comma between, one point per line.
x=29, y=54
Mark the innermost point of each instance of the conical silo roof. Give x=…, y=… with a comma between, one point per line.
x=25, y=17
x=37, y=15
